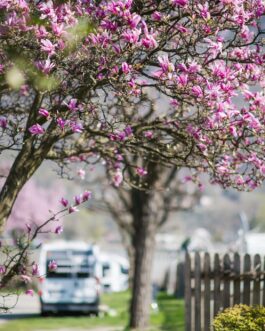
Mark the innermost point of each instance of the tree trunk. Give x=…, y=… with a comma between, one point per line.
x=26, y=163
x=127, y=243
x=131, y=257
x=144, y=244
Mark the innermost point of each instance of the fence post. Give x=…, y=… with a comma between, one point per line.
x=246, y=291
x=237, y=281
x=256, y=288
x=263, y=299
x=227, y=271
x=188, y=293
x=217, y=283
x=207, y=292
x=197, y=276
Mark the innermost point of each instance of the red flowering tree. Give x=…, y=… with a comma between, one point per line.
x=64, y=66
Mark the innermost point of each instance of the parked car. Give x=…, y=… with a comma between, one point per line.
x=74, y=284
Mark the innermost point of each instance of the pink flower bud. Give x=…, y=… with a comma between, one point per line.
x=64, y=202
x=117, y=178
x=29, y=292
x=125, y=68
x=78, y=199
x=35, y=270
x=86, y=195
x=44, y=112
x=3, y=122
x=148, y=134
x=180, y=3
x=26, y=279
x=58, y=230
x=52, y=265
x=81, y=173
x=2, y=269
x=141, y=172
x=72, y=209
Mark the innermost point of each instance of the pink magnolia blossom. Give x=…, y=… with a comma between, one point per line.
x=117, y=178
x=141, y=172
x=148, y=134
x=180, y=3
x=61, y=123
x=77, y=127
x=36, y=129
x=35, y=270
x=29, y=292
x=45, y=66
x=72, y=105
x=44, y=112
x=125, y=68
x=48, y=47
x=197, y=91
x=156, y=16
x=3, y=122
x=41, y=32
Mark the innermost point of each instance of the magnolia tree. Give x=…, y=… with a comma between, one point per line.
x=62, y=64
x=141, y=206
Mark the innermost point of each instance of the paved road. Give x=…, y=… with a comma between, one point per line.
x=26, y=306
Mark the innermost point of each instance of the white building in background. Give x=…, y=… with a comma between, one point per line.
x=251, y=243
x=114, y=272
x=201, y=241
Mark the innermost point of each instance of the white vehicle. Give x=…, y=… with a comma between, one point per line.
x=73, y=285
x=114, y=272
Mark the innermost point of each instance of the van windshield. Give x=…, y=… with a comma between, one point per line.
x=71, y=263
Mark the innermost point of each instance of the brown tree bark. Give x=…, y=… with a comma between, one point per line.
x=144, y=245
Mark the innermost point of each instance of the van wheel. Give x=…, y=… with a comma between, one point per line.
x=44, y=313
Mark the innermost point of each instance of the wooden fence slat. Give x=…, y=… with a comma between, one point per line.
x=188, y=293
x=207, y=292
x=227, y=271
x=242, y=270
x=197, y=276
x=263, y=299
x=217, y=283
x=246, y=290
x=237, y=281
x=256, y=287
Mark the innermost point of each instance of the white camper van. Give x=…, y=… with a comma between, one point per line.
x=114, y=272
x=73, y=285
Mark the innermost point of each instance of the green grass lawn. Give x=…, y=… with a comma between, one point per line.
x=169, y=318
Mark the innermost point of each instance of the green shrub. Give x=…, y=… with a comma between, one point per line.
x=241, y=318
